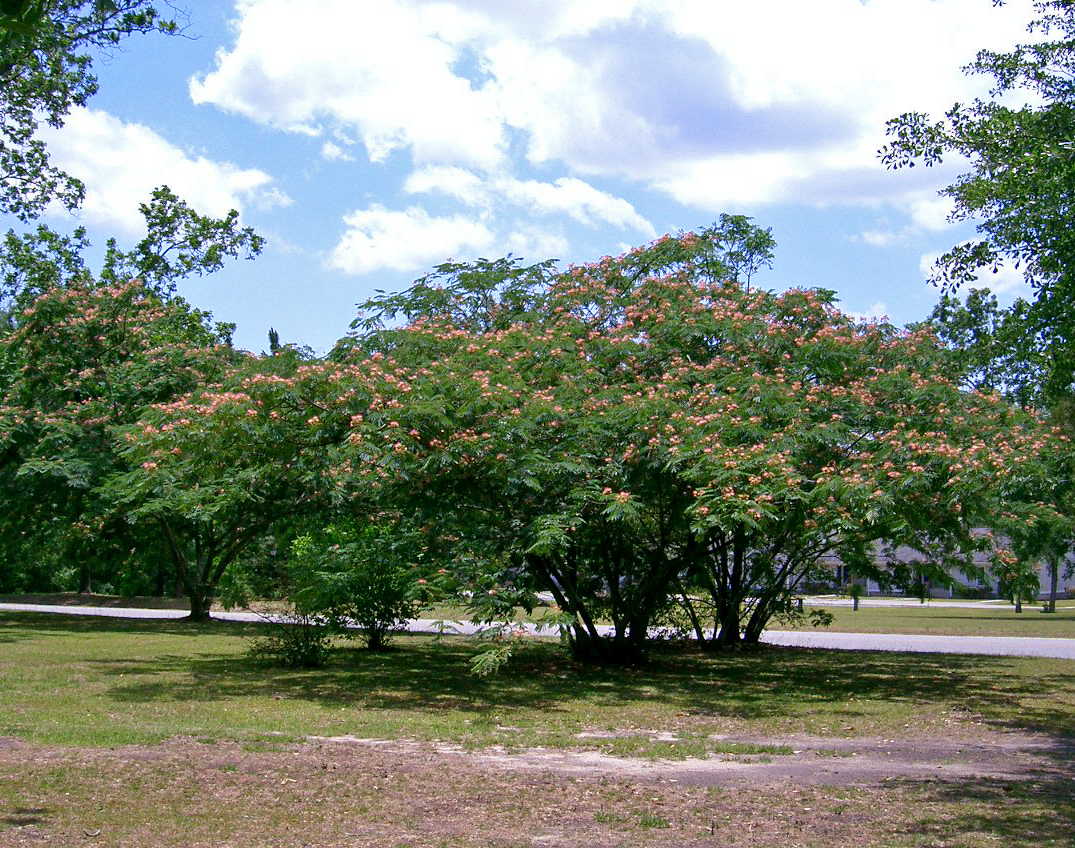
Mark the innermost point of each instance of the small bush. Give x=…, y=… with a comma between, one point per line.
x=297, y=641
x=971, y=593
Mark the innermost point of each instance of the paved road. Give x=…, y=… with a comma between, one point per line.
x=1018, y=646
x=1010, y=646
x=867, y=601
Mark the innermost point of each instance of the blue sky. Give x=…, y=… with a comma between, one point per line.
x=369, y=140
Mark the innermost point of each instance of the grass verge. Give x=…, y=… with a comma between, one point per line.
x=949, y=621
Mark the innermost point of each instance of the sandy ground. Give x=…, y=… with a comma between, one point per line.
x=335, y=792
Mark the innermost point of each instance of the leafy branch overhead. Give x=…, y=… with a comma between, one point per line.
x=1020, y=186
x=47, y=49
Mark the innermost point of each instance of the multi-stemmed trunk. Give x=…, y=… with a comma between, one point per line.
x=200, y=569
x=632, y=612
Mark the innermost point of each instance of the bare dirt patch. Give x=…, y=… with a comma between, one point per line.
x=351, y=792
x=812, y=761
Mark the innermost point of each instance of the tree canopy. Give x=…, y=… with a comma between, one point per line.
x=619, y=431
x=84, y=354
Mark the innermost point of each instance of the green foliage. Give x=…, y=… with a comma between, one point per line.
x=80, y=357
x=998, y=350
x=791, y=616
x=216, y=469
x=653, y=820
x=179, y=243
x=1019, y=186
x=46, y=55
x=366, y=576
x=83, y=360
x=994, y=349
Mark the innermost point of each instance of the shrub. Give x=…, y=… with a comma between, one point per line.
x=971, y=593
x=297, y=640
x=363, y=577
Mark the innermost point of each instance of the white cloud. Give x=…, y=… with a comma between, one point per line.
x=727, y=105
x=384, y=70
x=334, y=153
x=453, y=181
x=719, y=105
x=931, y=214
x=877, y=312
x=569, y=196
x=121, y=163
x=378, y=238
x=732, y=181
x=532, y=241
x=577, y=199
x=928, y=214
x=880, y=238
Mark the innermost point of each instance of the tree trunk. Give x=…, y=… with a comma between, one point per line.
x=85, y=579
x=729, y=626
x=200, y=602
x=1054, y=578
x=1018, y=603
x=160, y=578
x=699, y=632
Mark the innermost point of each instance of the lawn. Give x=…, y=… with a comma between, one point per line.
x=982, y=620
x=157, y=733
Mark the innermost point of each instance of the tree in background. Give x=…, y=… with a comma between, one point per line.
x=1020, y=187
x=85, y=354
x=993, y=350
x=215, y=470
x=85, y=359
x=47, y=49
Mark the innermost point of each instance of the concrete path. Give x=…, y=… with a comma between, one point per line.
x=1015, y=646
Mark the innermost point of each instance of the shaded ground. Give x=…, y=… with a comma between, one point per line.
x=986, y=631
x=1012, y=790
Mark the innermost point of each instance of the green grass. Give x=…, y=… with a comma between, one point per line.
x=984, y=620
x=104, y=682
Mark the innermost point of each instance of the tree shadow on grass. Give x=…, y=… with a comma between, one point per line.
x=1036, y=810
x=35, y=624
x=429, y=674
x=26, y=816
